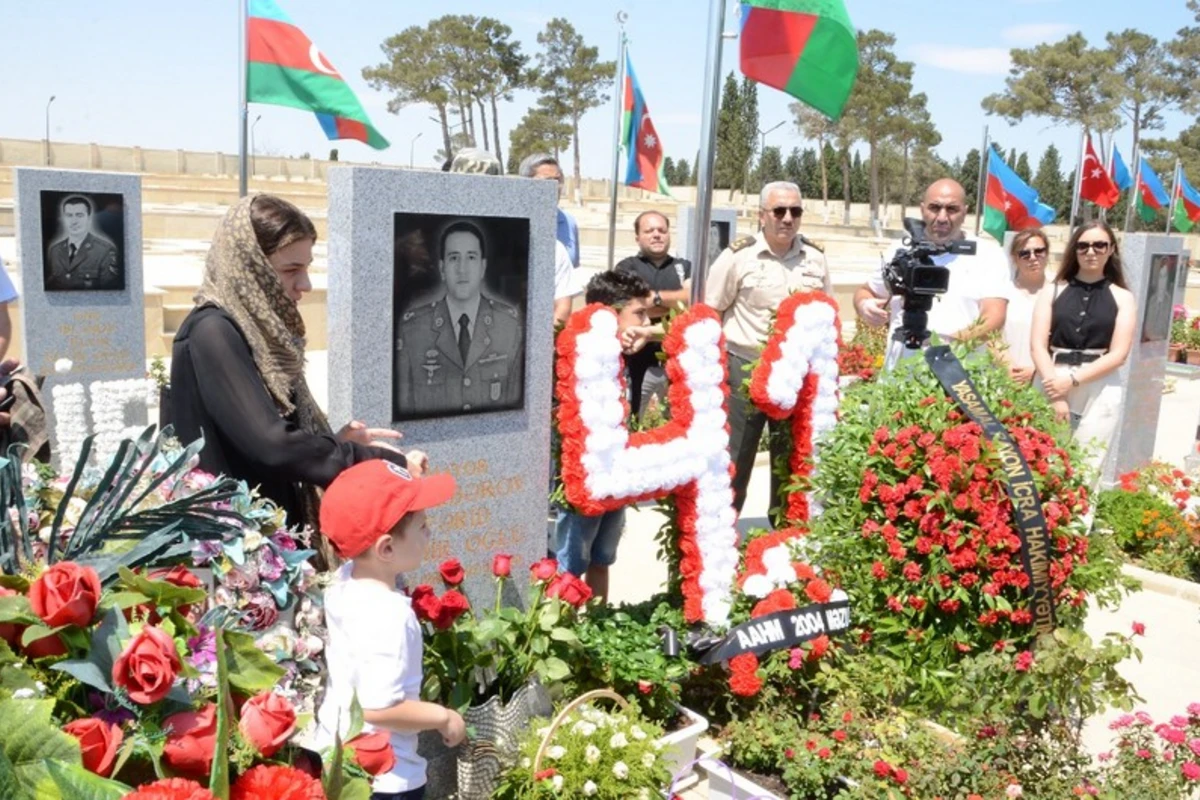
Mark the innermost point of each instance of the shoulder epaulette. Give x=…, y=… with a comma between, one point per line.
x=742, y=243
x=807, y=242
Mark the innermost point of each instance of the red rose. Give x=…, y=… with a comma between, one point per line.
x=170, y=789
x=544, y=570
x=146, y=669
x=1139, y=629
x=268, y=782
x=373, y=752
x=99, y=742
x=453, y=605
x=569, y=589
x=452, y=571
x=65, y=594
x=502, y=565
x=267, y=721
x=191, y=740
x=426, y=603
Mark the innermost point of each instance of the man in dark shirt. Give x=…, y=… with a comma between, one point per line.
x=670, y=279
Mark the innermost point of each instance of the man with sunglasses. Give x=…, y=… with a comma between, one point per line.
x=745, y=285
x=975, y=301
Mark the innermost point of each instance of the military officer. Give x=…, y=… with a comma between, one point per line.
x=83, y=260
x=463, y=352
x=745, y=285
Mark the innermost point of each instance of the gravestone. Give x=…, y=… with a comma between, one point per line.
x=723, y=228
x=1154, y=264
x=395, y=357
x=79, y=236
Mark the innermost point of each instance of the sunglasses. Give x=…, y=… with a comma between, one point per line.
x=1036, y=252
x=780, y=211
x=1098, y=247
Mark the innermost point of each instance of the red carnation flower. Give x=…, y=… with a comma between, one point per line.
x=270, y=782
x=170, y=789
x=452, y=571
x=744, y=680
x=882, y=768
x=818, y=591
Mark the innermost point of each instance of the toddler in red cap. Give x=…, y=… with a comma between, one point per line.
x=374, y=515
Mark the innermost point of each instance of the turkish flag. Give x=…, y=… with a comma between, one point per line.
x=1096, y=185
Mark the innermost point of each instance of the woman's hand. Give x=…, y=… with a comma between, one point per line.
x=418, y=462
x=1062, y=410
x=1021, y=374
x=1058, y=387
x=359, y=433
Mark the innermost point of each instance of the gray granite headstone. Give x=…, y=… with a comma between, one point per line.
x=386, y=222
x=1147, y=261
x=723, y=227
x=82, y=292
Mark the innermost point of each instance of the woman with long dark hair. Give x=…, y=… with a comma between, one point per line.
x=237, y=368
x=1083, y=327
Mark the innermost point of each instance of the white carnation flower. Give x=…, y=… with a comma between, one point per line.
x=557, y=752
x=63, y=365
x=592, y=754
x=621, y=770
x=648, y=759
x=618, y=741
x=584, y=728
x=637, y=733
x=589, y=788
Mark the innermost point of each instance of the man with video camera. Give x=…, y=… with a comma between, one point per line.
x=973, y=300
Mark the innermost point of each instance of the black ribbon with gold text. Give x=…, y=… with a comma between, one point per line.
x=1022, y=489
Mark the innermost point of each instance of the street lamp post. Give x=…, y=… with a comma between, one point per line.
x=411, y=145
x=763, y=134
x=252, y=152
x=48, y=102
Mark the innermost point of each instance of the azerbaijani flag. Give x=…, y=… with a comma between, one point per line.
x=643, y=148
x=805, y=48
x=1187, y=205
x=1151, y=196
x=1119, y=172
x=1010, y=203
x=285, y=68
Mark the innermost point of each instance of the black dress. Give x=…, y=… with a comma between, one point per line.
x=1083, y=317
x=218, y=393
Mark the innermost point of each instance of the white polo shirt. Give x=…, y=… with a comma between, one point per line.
x=972, y=280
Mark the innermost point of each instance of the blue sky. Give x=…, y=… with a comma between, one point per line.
x=164, y=75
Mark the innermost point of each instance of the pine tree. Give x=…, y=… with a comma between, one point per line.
x=1049, y=180
x=1022, y=168
x=968, y=175
x=669, y=172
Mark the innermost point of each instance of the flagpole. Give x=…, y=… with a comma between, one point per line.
x=1174, y=196
x=708, y=146
x=1078, y=180
x=981, y=188
x=243, y=110
x=619, y=104
x=1137, y=187
x=1108, y=170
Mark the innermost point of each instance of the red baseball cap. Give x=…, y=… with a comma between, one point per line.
x=367, y=500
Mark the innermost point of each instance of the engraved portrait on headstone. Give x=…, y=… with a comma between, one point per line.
x=718, y=238
x=82, y=237
x=1160, y=291
x=459, y=293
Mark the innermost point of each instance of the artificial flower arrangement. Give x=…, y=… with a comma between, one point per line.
x=588, y=752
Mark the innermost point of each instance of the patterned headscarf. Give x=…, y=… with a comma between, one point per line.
x=239, y=280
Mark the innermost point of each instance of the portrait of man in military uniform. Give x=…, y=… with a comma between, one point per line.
x=459, y=341
x=81, y=255
x=1159, y=297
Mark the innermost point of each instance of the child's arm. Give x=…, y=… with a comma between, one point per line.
x=414, y=716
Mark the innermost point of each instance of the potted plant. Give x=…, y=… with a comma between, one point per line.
x=1193, y=342
x=588, y=752
x=498, y=665
x=1179, y=334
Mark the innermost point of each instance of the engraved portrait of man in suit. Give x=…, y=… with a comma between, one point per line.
x=460, y=343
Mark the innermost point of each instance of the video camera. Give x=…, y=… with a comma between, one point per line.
x=913, y=275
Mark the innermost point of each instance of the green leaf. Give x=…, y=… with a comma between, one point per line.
x=35, y=632
x=355, y=789
x=18, y=583
x=10, y=788
x=250, y=670
x=564, y=635
x=16, y=608
x=77, y=783
x=556, y=669
x=356, y=717
x=161, y=593
x=85, y=672
x=218, y=782
x=30, y=737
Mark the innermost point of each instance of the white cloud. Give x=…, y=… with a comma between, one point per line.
x=974, y=60
x=1035, y=33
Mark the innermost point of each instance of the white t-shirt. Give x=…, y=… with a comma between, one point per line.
x=1018, y=324
x=972, y=279
x=374, y=649
x=8, y=292
x=563, y=283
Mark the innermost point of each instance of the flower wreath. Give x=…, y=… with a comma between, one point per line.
x=605, y=467
x=796, y=377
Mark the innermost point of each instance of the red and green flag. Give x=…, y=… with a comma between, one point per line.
x=1010, y=204
x=1151, y=196
x=1187, y=204
x=285, y=68
x=639, y=139
x=805, y=48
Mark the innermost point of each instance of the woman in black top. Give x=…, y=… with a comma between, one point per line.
x=237, y=369
x=1083, y=327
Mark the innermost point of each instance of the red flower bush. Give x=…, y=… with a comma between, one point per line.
x=99, y=742
x=146, y=669
x=65, y=594
x=191, y=741
x=269, y=782
x=267, y=721
x=170, y=789
x=373, y=751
